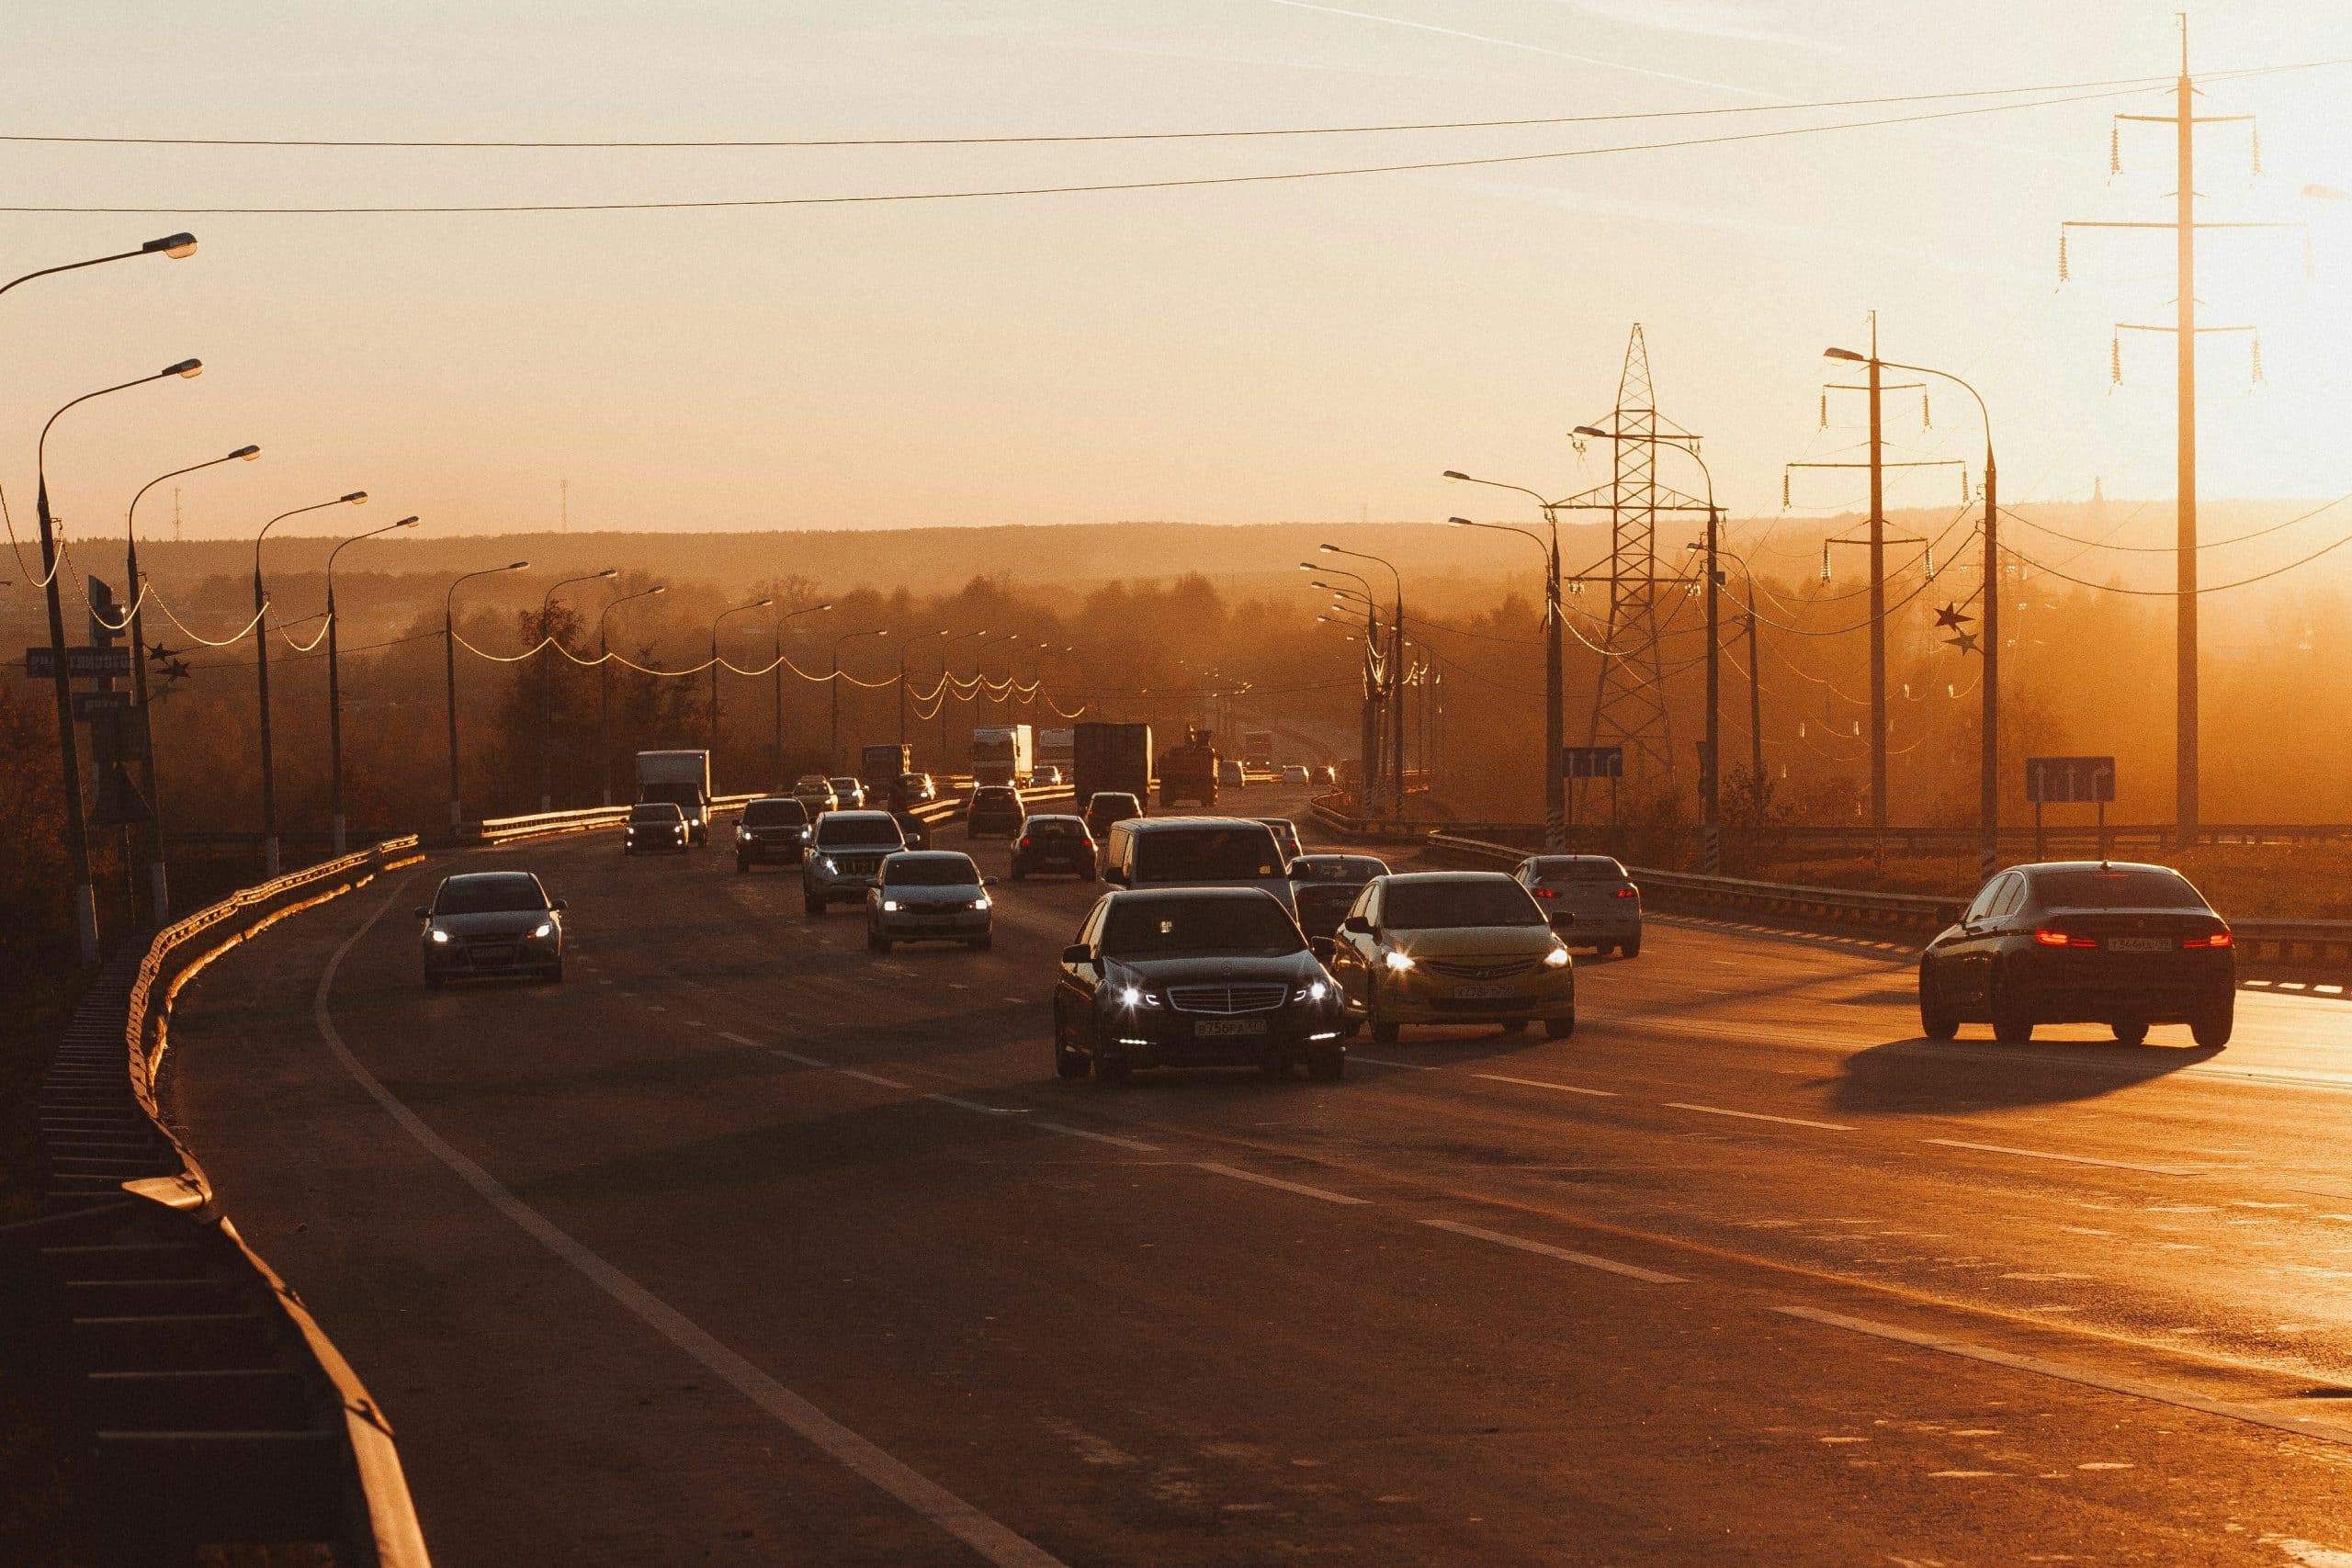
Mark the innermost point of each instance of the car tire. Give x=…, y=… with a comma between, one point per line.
x=1516, y=1025
x=553, y=973
x=1630, y=949
x=982, y=943
x=2131, y=1031
x=2012, y=1025
x=742, y=866
x=434, y=982
x=813, y=908
x=1383, y=1030
x=2212, y=1027
x=1560, y=1028
x=1019, y=875
x=1275, y=1072
x=1938, y=1020
x=1108, y=1071
x=1068, y=1064
x=1327, y=1065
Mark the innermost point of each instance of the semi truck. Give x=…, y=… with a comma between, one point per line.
x=1188, y=772
x=682, y=778
x=1057, y=747
x=1258, y=748
x=1003, y=753
x=1116, y=757
x=881, y=767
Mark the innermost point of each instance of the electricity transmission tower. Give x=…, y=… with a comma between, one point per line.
x=2184, y=224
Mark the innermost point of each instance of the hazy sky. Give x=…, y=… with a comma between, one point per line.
x=1272, y=351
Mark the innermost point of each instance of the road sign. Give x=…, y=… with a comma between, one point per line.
x=81, y=663
x=2057, y=780
x=1592, y=762
x=88, y=705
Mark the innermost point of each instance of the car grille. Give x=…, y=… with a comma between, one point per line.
x=1491, y=971
x=1249, y=998
x=857, y=865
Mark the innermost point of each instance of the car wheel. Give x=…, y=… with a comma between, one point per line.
x=1327, y=1065
x=1630, y=949
x=1275, y=1071
x=741, y=865
x=1560, y=1028
x=1086, y=874
x=982, y=943
x=813, y=906
x=1068, y=1064
x=434, y=982
x=1383, y=1030
x=1938, y=1020
x=553, y=974
x=1109, y=1071
x=2211, y=1028
x=2131, y=1031
x=2012, y=1025
x=1516, y=1025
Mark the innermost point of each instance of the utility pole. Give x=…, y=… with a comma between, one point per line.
x=2184, y=224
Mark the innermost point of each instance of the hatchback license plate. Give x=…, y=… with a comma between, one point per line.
x=1480, y=993
x=1216, y=1027
x=2139, y=944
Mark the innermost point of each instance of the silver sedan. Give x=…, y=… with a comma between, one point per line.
x=492, y=922
x=929, y=895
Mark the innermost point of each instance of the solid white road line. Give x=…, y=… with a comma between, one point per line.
x=1610, y=1265
x=2299, y=1426
x=976, y=1105
x=1380, y=1062
x=925, y=1496
x=2070, y=1159
x=872, y=1078
x=1759, y=1116
x=1067, y=1131
x=1539, y=1083
x=1303, y=1191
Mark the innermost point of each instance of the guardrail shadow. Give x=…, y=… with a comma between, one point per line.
x=1918, y=1076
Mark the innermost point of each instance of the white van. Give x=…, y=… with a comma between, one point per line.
x=1196, y=851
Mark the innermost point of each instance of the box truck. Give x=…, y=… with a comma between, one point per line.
x=682, y=778
x=1001, y=754
x=881, y=768
x=1110, y=757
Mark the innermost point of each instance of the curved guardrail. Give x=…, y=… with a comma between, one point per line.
x=208, y=1407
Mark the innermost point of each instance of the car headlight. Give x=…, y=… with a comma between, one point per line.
x=1313, y=991
x=437, y=934
x=1136, y=997
x=1556, y=959
x=825, y=862
x=742, y=831
x=545, y=928
x=1397, y=961
x=890, y=906
x=981, y=902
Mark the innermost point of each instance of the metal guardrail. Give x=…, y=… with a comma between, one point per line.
x=207, y=1407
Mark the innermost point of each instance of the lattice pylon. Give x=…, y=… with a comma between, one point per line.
x=1629, y=708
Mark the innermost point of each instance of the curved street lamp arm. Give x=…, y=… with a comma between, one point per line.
x=168, y=245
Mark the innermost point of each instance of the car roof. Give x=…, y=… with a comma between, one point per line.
x=2093, y=865
x=1169, y=895
x=489, y=876
x=1277, y=822
x=1160, y=824
x=929, y=854
x=1320, y=856
x=860, y=817
x=1112, y=794
x=1057, y=816
x=1419, y=878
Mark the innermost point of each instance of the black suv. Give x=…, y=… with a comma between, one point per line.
x=995, y=808
x=774, y=827
x=1054, y=843
x=1105, y=807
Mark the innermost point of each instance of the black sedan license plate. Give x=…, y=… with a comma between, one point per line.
x=1218, y=1028
x=498, y=956
x=2139, y=944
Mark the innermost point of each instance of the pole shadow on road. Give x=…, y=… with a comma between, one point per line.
x=1918, y=1075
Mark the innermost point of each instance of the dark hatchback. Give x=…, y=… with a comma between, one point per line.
x=2083, y=941
x=1054, y=842
x=995, y=808
x=1105, y=807
x=1194, y=977
x=1324, y=888
x=775, y=829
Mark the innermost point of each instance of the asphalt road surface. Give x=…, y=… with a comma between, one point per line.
x=745, y=1245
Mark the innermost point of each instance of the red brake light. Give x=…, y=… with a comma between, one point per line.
x=1544, y=893
x=1024, y=840
x=2045, y=937
x=2218, y=939
x=1626, y=891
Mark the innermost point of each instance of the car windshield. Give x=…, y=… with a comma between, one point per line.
x=2114, y=888
x=930, y=870
x=511, y=893
x=1431, y=906
x=1578, y=868
x=774, y=814
x=656, y=811
x=843, y=783
x=838, y=829
x=1198, y=928
x=1182, y=855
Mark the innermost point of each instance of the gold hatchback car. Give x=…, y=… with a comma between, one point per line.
x=1452, y=947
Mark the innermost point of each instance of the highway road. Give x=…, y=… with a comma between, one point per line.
x=745, y=1245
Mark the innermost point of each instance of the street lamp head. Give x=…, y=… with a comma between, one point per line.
x=357, y=498
x=1847, y=354
x=514, y=566
x=1453, y=473
x=185, y=368
x=1308, y=566
x=608, y=571
x=1586, y=430
x=246, y=454
x=760, y=606
x=658, y=588
x=173, y=245
x=407, y=521
x=1328, y=549
x=1462, y=521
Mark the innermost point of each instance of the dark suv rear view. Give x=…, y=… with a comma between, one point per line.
x=1054, y=843
x=1108, y=806
x=995, y=808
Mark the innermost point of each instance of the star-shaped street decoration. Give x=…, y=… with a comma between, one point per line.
x=1950, y=615
x=176, y=669
x=161, y=654
x=1965, y=642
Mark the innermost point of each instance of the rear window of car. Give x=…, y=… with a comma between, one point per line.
x=656, y=811
x=1351, y=870
x=995, y=794
x=774, y=814
x=1192, y=928
x=490, y=894
x=925, y=871
x=838, y=827
x=1206, y=853
x=1432, y=906
x=1104, y=801
x=2114, y=890
x=1055, y=826
x=1578, y=868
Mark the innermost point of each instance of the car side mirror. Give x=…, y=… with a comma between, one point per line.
x=1321, y=947
x=1115, y=876
x=1562, y=920
x=560, y=906
x=989, y=880
x=1949, y=914
x=1358, y=924
x=1078, y=953
x=423, y=913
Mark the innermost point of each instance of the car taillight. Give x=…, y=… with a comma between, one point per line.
x=1626, y=892
x=1024, y=843
x=1544, y=893
x=2218, y=939
x=2046, y=937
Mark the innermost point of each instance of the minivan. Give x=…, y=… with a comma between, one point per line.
x=1196, y=851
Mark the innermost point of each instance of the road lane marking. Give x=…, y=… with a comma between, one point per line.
x=925, y=1496
x=1759, y=1116
x=2070, y=1159
x=1539, y=1083
x=2066, y=1372
x=1013, y=999
x=872, y=1078
x=1067, y=1131
x=797, y=1056
x=976, y=1105
x=1300, y=1188
x=1381, y=1062
x=1649, y=1276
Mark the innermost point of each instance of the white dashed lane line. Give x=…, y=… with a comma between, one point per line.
x=797, y=1056
x=871, y=1078
x=1298, y=1187
x=2070, y=1159
x=1013, y=999
x=1760, y=1116
x=1608, y=1264
x=1067, y=1131
x=1379, y=1062
x=1539, y=1083
x=976, y=1105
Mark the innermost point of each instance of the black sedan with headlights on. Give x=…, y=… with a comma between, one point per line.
x=1194, y=977
x=2081, y=941
x=653, y=827
x=774, y=827
x=492, y=922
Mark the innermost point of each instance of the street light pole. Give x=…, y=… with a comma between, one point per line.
x=269, y=856
x=1555, y=718
x=983, y=634
x=546, y=700
x=158, y=882
x=736, y=610
x=833, y=752
x=604, y=686
x=334, y=685
x=776, y=762
x=449, y=656
x=1395, y=673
